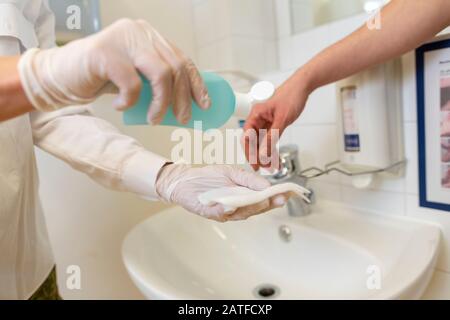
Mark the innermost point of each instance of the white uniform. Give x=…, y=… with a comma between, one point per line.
x=88, y=144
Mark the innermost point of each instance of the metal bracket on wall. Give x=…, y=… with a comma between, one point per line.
x=334, y=167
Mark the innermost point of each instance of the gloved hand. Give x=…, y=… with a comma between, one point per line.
x=82, y=70
x=182, y=184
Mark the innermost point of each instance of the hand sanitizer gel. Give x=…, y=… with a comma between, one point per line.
x=224, y=104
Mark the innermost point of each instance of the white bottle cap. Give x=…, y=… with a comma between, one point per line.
x=262, y=91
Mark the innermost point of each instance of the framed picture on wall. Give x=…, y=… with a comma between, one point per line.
x=433, y=101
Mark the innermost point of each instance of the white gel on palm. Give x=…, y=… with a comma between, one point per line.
x=233, y=198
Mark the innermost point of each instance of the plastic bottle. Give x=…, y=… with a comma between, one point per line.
x=224, y=104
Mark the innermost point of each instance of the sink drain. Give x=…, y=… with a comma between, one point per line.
x=266, y=291
x=285, y=233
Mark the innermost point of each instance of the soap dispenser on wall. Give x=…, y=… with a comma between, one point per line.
x=370, y=121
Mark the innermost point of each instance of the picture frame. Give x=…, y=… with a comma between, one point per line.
x=433, y=123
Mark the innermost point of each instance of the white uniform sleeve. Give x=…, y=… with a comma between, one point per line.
x=90, y=144
x=97, y=148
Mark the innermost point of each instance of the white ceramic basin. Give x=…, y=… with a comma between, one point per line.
x=333, y=254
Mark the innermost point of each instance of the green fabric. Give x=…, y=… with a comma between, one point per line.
x=49, y=289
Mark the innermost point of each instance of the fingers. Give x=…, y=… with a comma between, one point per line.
x=250, y=144
x=198, y=87
x=256, y=122
x=173, y=77
x=126, y=79
x=249, y=211
x=246, y=179
x=199, y=92
x=267, y=151
x=244, y=213
x=268, y=155
x=188, y=83
x=160, y=75
x=182, y=101
x=262, y=132
x=215, y=212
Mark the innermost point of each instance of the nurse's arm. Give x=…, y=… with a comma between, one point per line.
x=404, y=25
x=112, y=159
x=13, y=100
x=95, y=147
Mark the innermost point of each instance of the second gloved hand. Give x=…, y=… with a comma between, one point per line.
x=182, y=184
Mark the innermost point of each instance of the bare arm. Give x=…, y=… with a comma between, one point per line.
x=405, y=25
x=79, y=72
x=13, y=101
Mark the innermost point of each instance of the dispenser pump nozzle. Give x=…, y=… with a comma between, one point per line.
x=260, y=92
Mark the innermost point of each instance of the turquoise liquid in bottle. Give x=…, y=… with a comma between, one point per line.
x=223, y=103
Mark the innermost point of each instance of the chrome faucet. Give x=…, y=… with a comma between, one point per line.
x=290, y=172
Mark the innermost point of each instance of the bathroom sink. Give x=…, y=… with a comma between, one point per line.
x=335, y=253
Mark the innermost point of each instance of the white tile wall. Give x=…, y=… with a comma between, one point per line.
x=317, y=146
x=253, y=18
x=211, y=21
x=283, y=18
x=303, y=15
x=216, y=55
x=387, y=202
x=255, y=54
x=411, y=174
x=326, y=190
x=236, y=34
x=409, y=86
x=320, y=108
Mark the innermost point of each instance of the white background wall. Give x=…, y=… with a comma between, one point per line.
x=86, y=222
x=236, y=34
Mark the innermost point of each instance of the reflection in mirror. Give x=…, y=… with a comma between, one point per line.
x=307, y=14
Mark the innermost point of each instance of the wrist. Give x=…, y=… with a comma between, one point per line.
x=34, y=72
x=304, y=81
x=295, y=91
x=31, y=82
x=139, y=174
x=168, y=178
x=42, y=76
x=13, y=100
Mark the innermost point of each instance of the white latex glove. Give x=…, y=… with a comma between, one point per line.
x=182, y=184
x=84, y=69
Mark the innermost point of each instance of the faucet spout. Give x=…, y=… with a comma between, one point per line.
x=290, y=172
